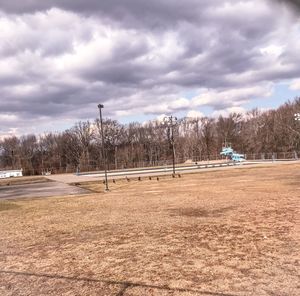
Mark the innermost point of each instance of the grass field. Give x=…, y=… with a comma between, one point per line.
x=230, y=232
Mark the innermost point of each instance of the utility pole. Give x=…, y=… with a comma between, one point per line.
x=171, y=122
x=100, y=106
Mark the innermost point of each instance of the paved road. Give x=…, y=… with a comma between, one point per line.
x=134, y=173
x=45, y=189
x=143, y=172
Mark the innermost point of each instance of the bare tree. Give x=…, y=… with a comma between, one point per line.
x=84, y=131
x=137, y=144
x=208, y=135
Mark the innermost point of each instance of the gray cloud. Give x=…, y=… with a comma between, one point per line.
x=295, y=4
x=58, y=59
x=156, y=12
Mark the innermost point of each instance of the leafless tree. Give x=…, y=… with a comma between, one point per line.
x=136, y=144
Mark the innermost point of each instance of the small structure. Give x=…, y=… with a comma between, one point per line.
x=10, y=174
x=231, y=154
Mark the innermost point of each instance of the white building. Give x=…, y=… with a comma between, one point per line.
x=10, y=174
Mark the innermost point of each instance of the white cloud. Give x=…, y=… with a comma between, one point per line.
x=9, y=133
x=8, y=117
x=232, y=97
x=227, y=111
x=295, y=85
x=272, y=49
x=180, y=104
x=161, y=117
x=194, y=114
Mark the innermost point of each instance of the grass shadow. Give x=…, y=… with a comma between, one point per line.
x=5, y=206
x=200, y=212
x=124, y=284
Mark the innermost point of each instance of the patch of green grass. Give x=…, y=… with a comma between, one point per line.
x=5, y=206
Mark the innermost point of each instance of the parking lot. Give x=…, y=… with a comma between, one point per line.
x=42, y=189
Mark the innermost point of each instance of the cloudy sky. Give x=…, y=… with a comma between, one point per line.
x=141, y=59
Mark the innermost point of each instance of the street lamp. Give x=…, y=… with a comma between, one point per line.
x=297, y=118
x=100, y=106
x=12, y=159
x=171, y=121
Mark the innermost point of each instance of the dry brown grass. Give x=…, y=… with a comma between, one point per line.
x=233, y=232
x=23, y=180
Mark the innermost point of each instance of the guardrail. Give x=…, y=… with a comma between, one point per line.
x=161, y=169
x=179, y=168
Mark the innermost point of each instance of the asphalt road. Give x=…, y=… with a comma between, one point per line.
x=45, y=189
x=157, y=171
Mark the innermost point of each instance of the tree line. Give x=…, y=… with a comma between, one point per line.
x=135, y=144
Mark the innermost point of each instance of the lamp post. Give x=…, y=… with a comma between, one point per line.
x=100, y=106
x=297, y=118
x=171, y=122
x=12, y=159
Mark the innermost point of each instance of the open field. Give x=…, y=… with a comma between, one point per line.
x=227, y=232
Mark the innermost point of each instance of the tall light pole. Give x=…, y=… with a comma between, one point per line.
x=171, y=122
x=100, y=106
x=12, y=159
x=297, y=118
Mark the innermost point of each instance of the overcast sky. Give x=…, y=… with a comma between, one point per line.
x=141, y=59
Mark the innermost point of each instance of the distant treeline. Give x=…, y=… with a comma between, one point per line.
x=149, y=144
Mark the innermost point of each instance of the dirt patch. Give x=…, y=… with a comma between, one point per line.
x=5, y=206
x=23, y=180
x=234, y=232
x=200, y=212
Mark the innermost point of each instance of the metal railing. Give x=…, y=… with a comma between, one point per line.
x=95, y=165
